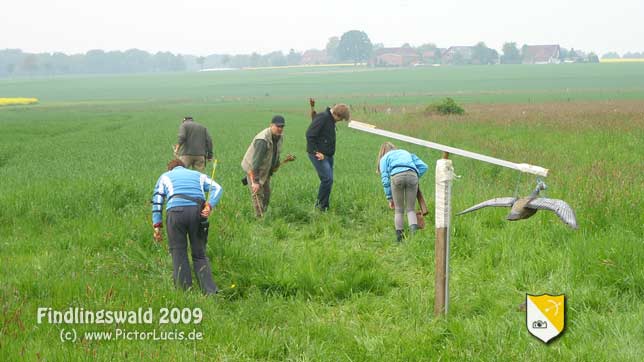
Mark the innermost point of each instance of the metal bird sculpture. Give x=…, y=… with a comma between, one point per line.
x=525, y=207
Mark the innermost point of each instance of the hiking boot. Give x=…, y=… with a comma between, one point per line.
x=399, y=235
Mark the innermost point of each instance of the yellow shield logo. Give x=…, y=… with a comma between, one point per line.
x=545, y=315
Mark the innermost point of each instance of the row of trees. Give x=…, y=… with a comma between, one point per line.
x=16, y=62
x=627, y=55
x=353, y=46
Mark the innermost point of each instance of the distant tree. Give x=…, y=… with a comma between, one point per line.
x=95, y=61
x=593, y=58
x=563, y=53
x=201, y=60
x=511, y=54
x=10, y=68
x=9, y=60
x=255, y=60
x=406, y=45
x=276, y=59
x=572, y=54
x=137, y=61
x=30, y=63
x=426, y=47
x=355, y=45
x=633, y=55
x=332, y=49
x=293, y=57
x=62, y=63
x=168, y=62
x=481, y=54
x=239, y=60
x=458, y=59
x=610, y=55
x=377, y=46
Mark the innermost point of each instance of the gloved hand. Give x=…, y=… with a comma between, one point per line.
x=205, y=212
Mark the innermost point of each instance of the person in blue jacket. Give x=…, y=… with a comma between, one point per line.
x=185, y=190
x=399, y=171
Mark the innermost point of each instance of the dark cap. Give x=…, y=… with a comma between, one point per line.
x=187, y=118
x=278, y=120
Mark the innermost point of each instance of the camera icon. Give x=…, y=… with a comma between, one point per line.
x=538, y=324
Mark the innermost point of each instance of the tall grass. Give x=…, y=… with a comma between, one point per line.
x=300, y=285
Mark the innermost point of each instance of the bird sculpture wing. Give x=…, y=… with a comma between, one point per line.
x=498, y=202
x=560, y=207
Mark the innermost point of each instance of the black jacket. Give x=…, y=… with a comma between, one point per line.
x=320, y=137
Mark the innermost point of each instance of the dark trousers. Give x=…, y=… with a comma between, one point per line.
x=324, y=169
x=183, y=223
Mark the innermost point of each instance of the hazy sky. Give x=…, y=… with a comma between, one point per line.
x=203, y=27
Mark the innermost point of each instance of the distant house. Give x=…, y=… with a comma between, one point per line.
x=432, y=56
x=314, y=56
x=541, y=54
x=458, y=55
x=395, y=57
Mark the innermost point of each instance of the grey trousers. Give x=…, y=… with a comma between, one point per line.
x=183, y=223
x=404, y=187
x=262, y=198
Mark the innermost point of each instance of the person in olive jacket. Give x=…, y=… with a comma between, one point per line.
x=261, y=160
x=194, y=144
x=320, y=145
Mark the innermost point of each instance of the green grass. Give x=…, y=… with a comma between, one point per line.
x=77, y=173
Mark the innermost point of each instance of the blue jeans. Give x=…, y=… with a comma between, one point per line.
x=324, y=169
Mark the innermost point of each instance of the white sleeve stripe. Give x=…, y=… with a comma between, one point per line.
x=165, y=181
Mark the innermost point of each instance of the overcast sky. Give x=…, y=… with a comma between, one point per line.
x=203, y=27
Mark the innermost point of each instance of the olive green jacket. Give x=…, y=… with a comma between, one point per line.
x=266, y=164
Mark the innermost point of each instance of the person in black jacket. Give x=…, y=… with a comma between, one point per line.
x=320, y=145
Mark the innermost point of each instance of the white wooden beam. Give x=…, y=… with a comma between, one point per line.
x=523, y=167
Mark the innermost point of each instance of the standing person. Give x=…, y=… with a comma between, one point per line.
x=187, y=217
x=194, y=145
x=261, y=160
x=399, y=171
x=320, y=145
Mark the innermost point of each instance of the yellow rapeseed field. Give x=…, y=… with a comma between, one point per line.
x=17, y=101
x=623, y=60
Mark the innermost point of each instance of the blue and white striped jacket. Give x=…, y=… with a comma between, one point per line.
x=185, y=182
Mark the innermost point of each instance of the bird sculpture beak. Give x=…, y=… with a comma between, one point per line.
x=513, y=216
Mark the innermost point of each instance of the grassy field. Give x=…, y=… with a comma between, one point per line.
x=77, y=172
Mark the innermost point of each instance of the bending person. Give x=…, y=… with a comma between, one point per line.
x=188, y=212
x=261, y=161
x=399, y=171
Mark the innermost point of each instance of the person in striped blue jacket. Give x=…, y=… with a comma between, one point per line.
x=185, y=190
x=399, y=172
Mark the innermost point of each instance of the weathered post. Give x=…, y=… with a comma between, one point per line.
x=443, y=197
